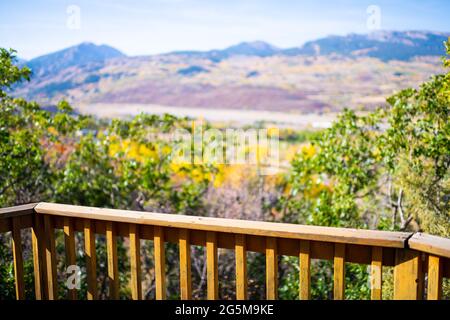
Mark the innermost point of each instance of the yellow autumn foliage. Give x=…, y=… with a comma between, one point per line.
x=133, y=150
x=52, y=130
x=308, y=150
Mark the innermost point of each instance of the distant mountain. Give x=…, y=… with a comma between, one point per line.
x=322, y=75
x=80, y=55
x=384, y=45
x=255, y=49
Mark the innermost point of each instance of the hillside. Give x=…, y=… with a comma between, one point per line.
x=384, y=45
x=328, y=74
x=85, y=54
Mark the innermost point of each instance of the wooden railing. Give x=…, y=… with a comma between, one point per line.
x=420, y=261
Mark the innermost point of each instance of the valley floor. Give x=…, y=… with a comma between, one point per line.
x=243, y=117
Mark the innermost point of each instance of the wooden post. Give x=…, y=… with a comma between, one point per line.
x=241, y=267
x=111, y=251
x=406, y=274
x=135, y=262
x=212, y=280
x=160, y=263
x=50, y=257
x=38, y=246
x=339, y=271
x=271, y=269
x=69, y=240
x=435, y=268
x=185, y=264
x=91, y=260
x=305, y=265
x=376, y=273
x=18, y=259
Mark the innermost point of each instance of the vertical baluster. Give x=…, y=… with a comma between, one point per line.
x=435, y=268
x=38, y=246
x=339, y=271
x=111, y=248
x=241, y=267
x=305, y=273
x=376, y=273
x=18, y=259
x=91, y=260
x=421, y=277
x=406, y=274
x=160, y=263
x=50, y=257
x=135, y=259
x=69, y=240
x=185, y=264
x=211, y=266
x=271, y=269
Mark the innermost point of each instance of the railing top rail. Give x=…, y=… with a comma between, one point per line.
x=270, y=229
x=16, y=211
x=418, y=241
x=430, y=244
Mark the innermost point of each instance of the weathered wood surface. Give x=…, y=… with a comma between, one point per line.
x=430, y=244
x=185, y=265
x=241, y=267
x=15, y=211
x=406, y=275
x=413, y=255
x=267, y=229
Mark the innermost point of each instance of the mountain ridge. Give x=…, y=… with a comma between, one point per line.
x=384, y=45
x=377, y=44
x=81, y=54
x=326, y=74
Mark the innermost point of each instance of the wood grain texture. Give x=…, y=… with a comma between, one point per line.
x=435, y=270
x=111, y=252
x=91, y=259
x=339, y=272
x=434, y=245
x=18, y=259
x=185, y=265
x=305, y=273
x=135, y=262
x=271, y=269
x=69, y=241
x=50, y=259
x=38, y=247
x=16, y=211
x=377, y=248
x=211, y=266
x=376, y=273
x=160, y=263
x=241, y=267
x=266, y=229
x=406, y=275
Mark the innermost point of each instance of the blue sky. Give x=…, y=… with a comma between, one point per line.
x=37, y=27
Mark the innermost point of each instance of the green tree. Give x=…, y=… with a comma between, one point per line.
x=63, y=157
x=389, y=169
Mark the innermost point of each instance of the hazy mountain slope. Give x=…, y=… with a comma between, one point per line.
x=384, y=45
x=80, y=55
x=255, y=48
x=279, y=83
x=326, y=75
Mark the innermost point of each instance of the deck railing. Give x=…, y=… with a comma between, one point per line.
x=420, y=261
